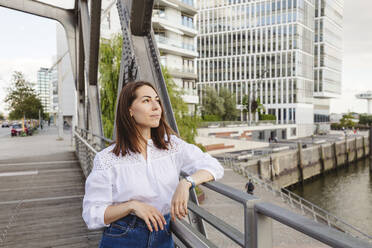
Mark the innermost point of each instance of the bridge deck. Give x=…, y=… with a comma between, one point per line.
x=41, y=195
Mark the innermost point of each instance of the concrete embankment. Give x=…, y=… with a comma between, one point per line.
x=293, y=166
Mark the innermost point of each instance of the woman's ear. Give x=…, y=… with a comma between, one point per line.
x=130, y=113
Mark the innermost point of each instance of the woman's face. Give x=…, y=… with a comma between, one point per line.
x=146, y=109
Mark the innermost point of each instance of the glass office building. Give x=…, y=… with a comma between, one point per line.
x=43, y=87
x=328, y=55
x=264, y=49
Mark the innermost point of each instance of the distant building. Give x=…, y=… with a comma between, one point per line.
x=43, y=87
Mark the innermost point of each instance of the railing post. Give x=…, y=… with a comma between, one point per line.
x=257, y=227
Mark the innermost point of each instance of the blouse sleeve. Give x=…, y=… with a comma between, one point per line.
x=98, y=196
x=194, y=159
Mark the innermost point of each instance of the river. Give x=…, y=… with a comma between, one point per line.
x=345, y=192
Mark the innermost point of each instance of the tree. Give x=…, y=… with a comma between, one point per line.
x=365, y=119
x=186, y=123
x=229, y=104
x=109, y=69
x=22, y=99
x=256, y=106
x=2, y=117
x=213, y=104
x=347, y=121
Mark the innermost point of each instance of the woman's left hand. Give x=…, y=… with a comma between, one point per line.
x=179, y=200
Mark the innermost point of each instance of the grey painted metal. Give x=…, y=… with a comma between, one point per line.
x=323, y=233
x=64, y=16
x=228, y=230
x=90, y=34
x=190, y=236
x=80, y=82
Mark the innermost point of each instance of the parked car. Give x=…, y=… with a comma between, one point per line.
x=5, y=124
x=17, y=130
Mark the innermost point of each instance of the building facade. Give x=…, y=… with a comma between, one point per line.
x=262, y=49
x=43, y=87
x=175, y=34
x=328, y=56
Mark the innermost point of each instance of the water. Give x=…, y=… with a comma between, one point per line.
x=345, y=193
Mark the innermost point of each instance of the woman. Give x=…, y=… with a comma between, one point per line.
x=134, y=188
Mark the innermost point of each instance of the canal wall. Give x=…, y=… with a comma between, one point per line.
x=293, y=166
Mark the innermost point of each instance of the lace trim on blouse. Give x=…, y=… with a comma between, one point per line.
x=105, y=159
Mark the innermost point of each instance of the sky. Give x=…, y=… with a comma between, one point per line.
x=28, y=42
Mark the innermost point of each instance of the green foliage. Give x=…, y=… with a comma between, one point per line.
x=22, y=99
x=212, y=118
x=219, y=106
x=231, y=113
x=109, y=69
x=346, y=121
x=365, y=119
x=186, y=123
x=267, y=117
x=213, y=104
x=2, y=117
x=256, y=105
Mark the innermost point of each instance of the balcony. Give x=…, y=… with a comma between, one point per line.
x=184, y=73
x=180, y=26
x=186, y=6
x=190, y=96
x=175, y=47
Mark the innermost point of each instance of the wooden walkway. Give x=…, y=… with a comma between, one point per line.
x=41, y=203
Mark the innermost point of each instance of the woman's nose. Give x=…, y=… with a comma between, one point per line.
x=155, y=105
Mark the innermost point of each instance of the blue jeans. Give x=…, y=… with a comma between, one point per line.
x=131, y=231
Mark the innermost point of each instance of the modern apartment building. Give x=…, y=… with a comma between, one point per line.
x=328, y=56
x=175, y=33
x=43, y=87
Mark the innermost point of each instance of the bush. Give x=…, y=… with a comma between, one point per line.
x=212, y=118
x=267, y=117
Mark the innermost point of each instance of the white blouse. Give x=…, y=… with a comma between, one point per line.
x=116, y=179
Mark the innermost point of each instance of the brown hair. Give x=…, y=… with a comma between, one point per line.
x=128, y=136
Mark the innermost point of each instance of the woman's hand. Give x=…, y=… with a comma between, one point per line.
x=149, y=214
x=180, y=199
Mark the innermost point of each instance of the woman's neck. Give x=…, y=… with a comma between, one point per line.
x=146, y=134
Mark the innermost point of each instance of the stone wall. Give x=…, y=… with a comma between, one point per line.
x=290, y=167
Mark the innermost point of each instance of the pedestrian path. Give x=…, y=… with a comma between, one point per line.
x=41, y=190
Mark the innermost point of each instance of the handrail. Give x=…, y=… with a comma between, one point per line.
x=188, y=236
x=329, y=236
x=314, y=210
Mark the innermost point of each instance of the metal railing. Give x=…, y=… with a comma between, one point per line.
x=257, y=217
x=295, y=201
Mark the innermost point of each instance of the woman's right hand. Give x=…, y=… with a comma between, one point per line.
x=148, y=214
